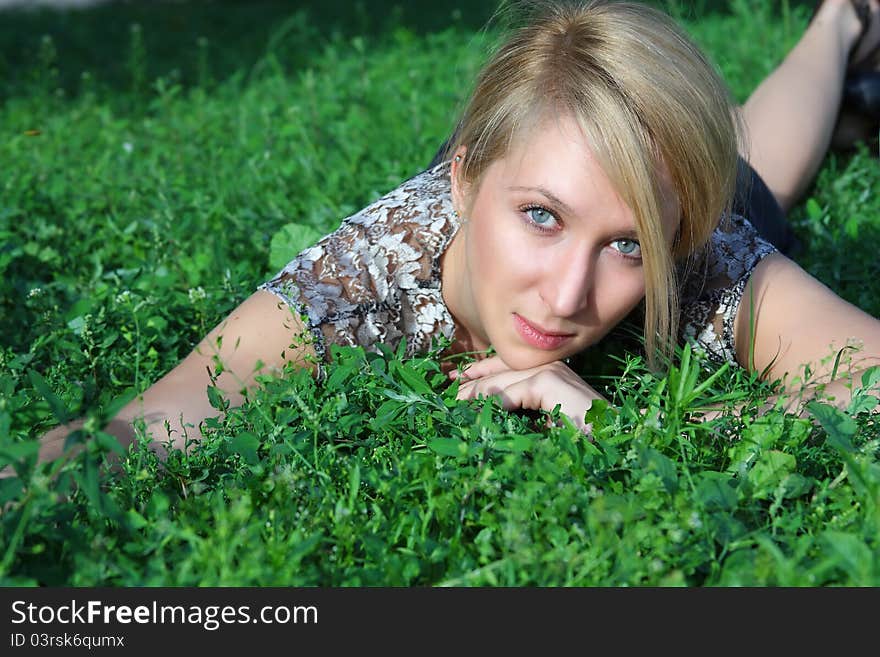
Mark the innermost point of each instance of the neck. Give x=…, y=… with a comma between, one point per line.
x=457, y=296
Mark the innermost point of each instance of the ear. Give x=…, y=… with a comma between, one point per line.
x=460, y=187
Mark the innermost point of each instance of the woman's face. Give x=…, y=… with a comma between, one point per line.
x=547, y=260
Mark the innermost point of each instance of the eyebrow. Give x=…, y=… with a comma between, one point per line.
x=630, y=233
x=562, y=205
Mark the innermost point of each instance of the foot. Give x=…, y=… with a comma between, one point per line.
x=865, y=53
x=857, y=23
x=860, y=108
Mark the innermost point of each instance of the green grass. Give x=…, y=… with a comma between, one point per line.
x=139, y=206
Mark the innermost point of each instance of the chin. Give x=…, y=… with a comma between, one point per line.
x=519, y=359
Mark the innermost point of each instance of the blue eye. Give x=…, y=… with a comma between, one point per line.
x=541, y=217
x=629, y=248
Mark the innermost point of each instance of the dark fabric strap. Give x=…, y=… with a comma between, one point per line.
x=754, y=201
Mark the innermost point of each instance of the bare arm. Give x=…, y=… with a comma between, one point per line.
x=787, y=319
x=259, y=337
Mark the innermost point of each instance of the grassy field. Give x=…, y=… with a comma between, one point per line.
x=156, y=162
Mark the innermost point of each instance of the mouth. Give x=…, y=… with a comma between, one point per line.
x=539, y=337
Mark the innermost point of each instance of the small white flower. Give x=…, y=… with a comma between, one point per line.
x=196, y=294
x=127, y=146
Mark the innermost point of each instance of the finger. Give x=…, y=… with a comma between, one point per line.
x=538, y=391
x=478, y=388
x=522, y=394
x=485, y=367
x=499, y=385
x=551, y=375
x=491, y=384
x=572, y=403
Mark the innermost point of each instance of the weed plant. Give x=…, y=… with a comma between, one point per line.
x=141, y=204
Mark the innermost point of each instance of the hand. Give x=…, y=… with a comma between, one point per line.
x=536, y=388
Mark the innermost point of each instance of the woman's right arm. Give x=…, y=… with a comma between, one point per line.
x=259, y=337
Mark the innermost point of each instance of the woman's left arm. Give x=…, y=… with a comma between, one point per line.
x=788, y=321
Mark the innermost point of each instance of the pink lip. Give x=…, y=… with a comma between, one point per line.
x=538, y=337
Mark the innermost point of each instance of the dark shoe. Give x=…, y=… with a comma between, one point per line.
x=861, y=94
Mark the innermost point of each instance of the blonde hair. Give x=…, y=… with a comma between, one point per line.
x=645, y=97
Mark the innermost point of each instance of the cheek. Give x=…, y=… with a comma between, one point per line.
x=624, y=294
x=497, y=254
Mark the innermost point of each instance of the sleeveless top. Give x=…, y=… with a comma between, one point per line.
x=376, y=279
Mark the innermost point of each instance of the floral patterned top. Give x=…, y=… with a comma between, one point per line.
x=376, y=279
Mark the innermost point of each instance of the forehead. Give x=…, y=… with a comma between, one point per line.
x=556, y=156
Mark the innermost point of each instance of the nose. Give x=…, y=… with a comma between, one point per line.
x=569, y=282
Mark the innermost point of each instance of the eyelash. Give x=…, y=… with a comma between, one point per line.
x=637, y=259
x=537, y=227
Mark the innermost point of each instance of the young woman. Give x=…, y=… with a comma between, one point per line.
x=592, y=174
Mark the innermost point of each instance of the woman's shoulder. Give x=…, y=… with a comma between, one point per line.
x=415, y=215
x=425, y=196
x=420, y=208
x=712, y=285
x=376, y=278
x=394, y=242
x=733, y=251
